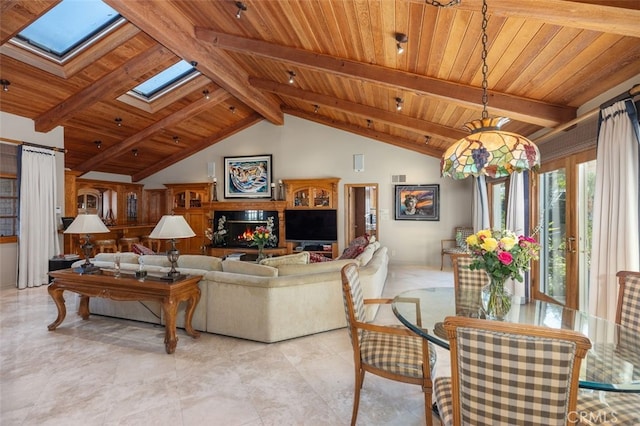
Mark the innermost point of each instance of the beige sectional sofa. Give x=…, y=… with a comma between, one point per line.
x=256, y=301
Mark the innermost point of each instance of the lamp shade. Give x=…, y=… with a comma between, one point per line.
x=489, y=151
x=87, y=224
x=171, y=227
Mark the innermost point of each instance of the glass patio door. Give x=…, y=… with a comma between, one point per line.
x=564, y=202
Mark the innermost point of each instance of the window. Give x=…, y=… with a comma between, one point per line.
x=165, y=81
x=68, y=28
x=8, y=193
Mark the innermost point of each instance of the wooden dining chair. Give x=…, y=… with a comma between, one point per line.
x=505, y=373
x=467, y=284
x=392, y=352
x=613, y=407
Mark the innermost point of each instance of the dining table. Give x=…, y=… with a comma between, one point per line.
x=612, y=364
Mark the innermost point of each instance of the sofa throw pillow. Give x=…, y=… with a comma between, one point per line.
x=140, y=249
x=356, y=246
x=317, y=258
x=301, y=258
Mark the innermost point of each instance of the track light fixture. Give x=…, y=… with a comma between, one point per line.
x=232, y=109
x=241, y=8
x=98, y=144
x=194, y=63
x=316, y=108
x=427, y=139
x=292, y=76
x=400, y=40
x=399, y=102
x=119, y=121
x=205, y=92
x=176, y=140
x=5, y=85
x=135, y=152
x=369, y=123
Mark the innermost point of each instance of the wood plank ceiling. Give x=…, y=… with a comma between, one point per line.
x=545, y=57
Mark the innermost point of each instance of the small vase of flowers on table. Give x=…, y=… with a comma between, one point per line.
x=502, y=255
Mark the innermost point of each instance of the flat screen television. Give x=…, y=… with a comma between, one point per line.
x=311, y=225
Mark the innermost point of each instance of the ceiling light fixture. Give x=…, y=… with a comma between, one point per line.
x=369, y=123
x=292, y=76
x=488, y=150
x=176, y=140
x=135, y=152
x=399, y=103
x=316, y=108
x=232, y=109
x=438, y=4
x=400, y=40
x=98, y=144
x=427, y=139
x=194, y=63
x=205, y=92
x=119, y=121
x=241, y=8
x=5, y=85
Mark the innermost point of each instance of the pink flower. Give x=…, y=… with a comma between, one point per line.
x=505, y=258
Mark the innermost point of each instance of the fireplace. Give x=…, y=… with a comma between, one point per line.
x=233, y=228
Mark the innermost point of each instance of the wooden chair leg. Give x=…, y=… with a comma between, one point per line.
x=359, y=380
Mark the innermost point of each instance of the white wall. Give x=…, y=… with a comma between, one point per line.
x=18, y=128
x=303, y=149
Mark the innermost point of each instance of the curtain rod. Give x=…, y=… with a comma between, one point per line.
x=635, y=90
x=16, y=142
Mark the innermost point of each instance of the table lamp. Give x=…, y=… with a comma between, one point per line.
x=170, y=228
x=87, y=224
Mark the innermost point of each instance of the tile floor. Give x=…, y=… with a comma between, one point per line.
x=115, y=372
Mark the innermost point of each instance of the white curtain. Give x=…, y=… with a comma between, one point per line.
x=480, y=204
x=615, y=245
x=37, y=237
x=516, y=223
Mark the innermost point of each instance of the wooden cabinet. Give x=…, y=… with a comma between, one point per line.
x=154, y=205
x=311, y=193
x=190, y=200
x=116, y=203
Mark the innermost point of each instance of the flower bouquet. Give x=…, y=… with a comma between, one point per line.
x=259, y=238
x=502, y=255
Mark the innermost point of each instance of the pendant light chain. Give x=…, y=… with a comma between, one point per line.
x=436, y=3
x=485, y=68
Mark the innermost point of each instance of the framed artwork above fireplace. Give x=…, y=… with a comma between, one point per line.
x=248, y=177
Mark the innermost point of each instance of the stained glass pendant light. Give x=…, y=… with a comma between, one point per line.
x=488, y=150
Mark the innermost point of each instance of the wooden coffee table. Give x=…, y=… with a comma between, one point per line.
x=169, y=294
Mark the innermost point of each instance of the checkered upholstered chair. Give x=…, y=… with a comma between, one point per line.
x=467, y=284
x=508, y=374
x=628, y=312
x=455, y=245
x=612, y=407
x=394, y=353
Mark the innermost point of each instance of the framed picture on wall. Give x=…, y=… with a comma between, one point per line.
x=247, y=177
x=417, y=202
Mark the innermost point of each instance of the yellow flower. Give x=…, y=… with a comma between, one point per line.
x=489, y=244
x=508, y=242
x=485, y=233
x=472, y=240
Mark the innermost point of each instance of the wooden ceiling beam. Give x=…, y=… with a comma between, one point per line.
x=16, y=15
x=615, y=17
x=368, y=133
x=192, y=109
x=204, y=143
x=166, y=24
x=518, y=108
x=364, y=111
x=109, y=86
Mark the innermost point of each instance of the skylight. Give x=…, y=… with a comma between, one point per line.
x=68, y=27
x=162, y=82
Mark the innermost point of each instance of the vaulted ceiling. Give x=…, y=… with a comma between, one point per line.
x=545, y=59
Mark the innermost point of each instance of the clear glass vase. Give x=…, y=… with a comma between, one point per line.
x=261, y=254
x=496, y=300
